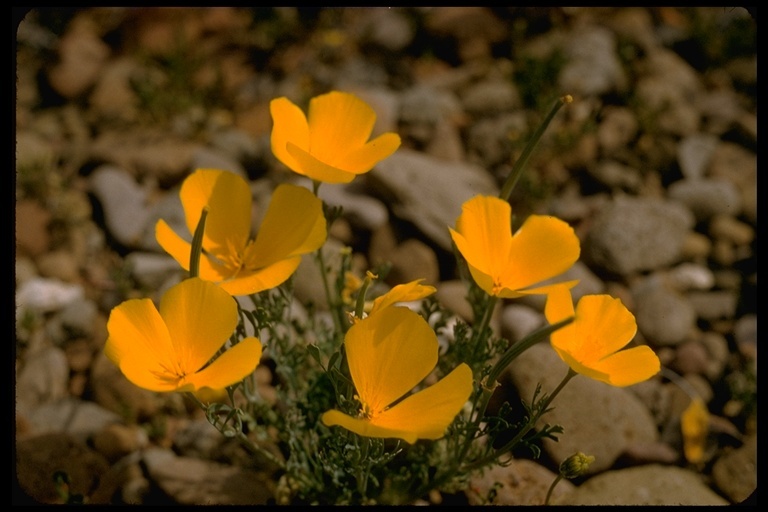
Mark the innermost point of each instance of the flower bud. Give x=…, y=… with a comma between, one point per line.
x=576, y=465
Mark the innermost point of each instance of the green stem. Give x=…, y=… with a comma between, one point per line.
x=520, y=164
x=197, y=245
x=527, y=428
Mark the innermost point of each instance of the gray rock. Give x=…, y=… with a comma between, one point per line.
x=79, y=418
x=690, y=276
x=597, y=419
x=714, y=305
x=387, y=28
x=420, y=112
x=593, y=66
x=694, y=154
x=46, y=295
x=43, y=378
x=613, y=174
x=632, y=234
x=491, y=140
x=429, y=192
x=707, y=197
x=664, y=316
x=652, y=484
x=210, y=158
x=191, y=481
x=151, y=270
x=79, y=317
x=519, y=320
x=490, y=97
x=124, y=202
x=361, y=210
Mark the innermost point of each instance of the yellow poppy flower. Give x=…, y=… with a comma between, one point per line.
x=293, y=225
x=389, y=353
x=168, y=350
x=694, y=424
x=402, y=293
x=331, y=143
x=591, y=345
x=506, y=265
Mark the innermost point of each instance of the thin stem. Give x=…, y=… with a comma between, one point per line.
x=520, y=164
x=197, y=245
x=527, y=428
x=552, y=488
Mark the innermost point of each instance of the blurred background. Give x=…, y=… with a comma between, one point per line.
x=653, y=164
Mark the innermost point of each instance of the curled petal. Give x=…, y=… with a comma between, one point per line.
x=293, y=225
x=312, y=167
x=630, y=366
x=200, y=316
x=248, y=282
x=230, y=367
x=402, y=293
x=289, y=125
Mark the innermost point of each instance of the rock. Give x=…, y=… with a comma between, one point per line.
x=59, y=264
x=114, y=98
x=43, y=378
x=652, y=484
x=46, y=295
x=453, y=296
x=492, y=140
x=420, y=112
x=191, y=481
x=592, y=65
x=116, y=440
x=598, y=419
x=490, y=98
x=615, y=175
x=32, y=220
x=707, y=198
x=694, y=154
x=361, y=210
x=39, y=458
x=429, y=192
x=79, y=317
x=411, y=260
x=113, y=391
x=519, y=320
x=388, y=29
x=79, y=418
x=209, y=158
x=632, y=234
x=617, y=129
x=151, y=270
x=726, y=227
x=714, y=305
x=522, y=482
x=690, y=276
x=82, y=55
x=124, y=203
x=735, y=473
x=738, y=165
x=663, y=316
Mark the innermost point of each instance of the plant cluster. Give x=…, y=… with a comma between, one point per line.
x=388, y=399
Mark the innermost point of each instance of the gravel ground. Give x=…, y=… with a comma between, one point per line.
x=653, y=164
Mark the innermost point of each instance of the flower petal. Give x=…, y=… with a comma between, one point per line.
x=289, y=125
x=402, y=293
x=230, y=367
x=200, y=317
x=542, y=248
x=630, y=366
x=228, y=197
x=294, y=224
x=559, y=304
x=388, y=354
x=427, y=413
x=139, y=343
x=363, y=159
x=338, y=122
x=484, y=234
x=246, y=283
x=606, y=323
x=314, y=168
